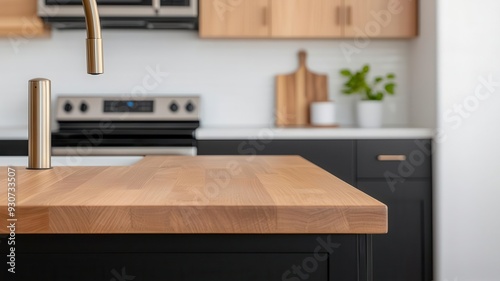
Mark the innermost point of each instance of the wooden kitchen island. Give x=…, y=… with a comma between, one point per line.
x=190, y=218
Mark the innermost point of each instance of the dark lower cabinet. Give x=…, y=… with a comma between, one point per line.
x=164, y=266
x=13, y=147
x=334, y=156
x=405, y=253
x=398, y=173
x=184, y=257
x=404, y=185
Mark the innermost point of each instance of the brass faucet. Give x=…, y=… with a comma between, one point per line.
x=39, y=132
x=95, y=62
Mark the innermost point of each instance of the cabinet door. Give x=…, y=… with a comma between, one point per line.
x=306, y=18
x=405, y=253
x=188, y=257
x=335, y=156
x=234, y=18
x=380, y=18
x=18, y=18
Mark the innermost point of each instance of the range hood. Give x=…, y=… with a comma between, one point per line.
x=123, y=14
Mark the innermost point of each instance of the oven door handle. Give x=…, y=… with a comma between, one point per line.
x=123, y=151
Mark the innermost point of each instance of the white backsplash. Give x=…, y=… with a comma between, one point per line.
x=235, y=78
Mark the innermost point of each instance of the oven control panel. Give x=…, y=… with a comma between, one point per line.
x=159, y=108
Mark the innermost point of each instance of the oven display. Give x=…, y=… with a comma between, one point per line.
x=142, y=106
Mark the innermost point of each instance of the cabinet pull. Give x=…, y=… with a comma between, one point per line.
x=264, y=19
x=391, y=157
x=349, y=15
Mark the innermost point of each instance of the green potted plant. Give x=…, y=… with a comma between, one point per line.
x=369, y=108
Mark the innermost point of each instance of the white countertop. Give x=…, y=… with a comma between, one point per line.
x=13, y=133
x=75, y=160
x=235, y=133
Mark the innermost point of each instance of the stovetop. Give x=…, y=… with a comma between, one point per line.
x=127, y=109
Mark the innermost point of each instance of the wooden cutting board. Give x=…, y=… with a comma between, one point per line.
x=296, y=91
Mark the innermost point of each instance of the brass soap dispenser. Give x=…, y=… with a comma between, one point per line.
x=39, y=131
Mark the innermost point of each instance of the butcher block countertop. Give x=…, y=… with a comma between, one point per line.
x=191, y=195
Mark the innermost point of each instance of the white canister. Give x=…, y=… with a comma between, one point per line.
x=323, y=113
x=370, y=113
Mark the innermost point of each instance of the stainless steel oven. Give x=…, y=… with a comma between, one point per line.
x=112, y=126
x=178, y=14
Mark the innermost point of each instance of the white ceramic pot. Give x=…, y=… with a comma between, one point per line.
x=323, y=113
x=370, y=114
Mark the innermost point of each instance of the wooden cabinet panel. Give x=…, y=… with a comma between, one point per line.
x=306, y=18
x=234, y=18
x=17, y=8
x=18, y=18
x=381, y=18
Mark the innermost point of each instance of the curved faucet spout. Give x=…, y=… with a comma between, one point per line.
x=95, y=61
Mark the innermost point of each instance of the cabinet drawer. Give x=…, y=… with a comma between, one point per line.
x=394, y=158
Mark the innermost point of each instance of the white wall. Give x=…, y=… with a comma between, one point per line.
x=468, y=171
x=235, y=78
x=423, y=80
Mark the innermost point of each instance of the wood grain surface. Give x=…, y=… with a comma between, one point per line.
x=296, y=91
x=235, y=19
x=18, y=18
x=306, y=19
x=182, y=194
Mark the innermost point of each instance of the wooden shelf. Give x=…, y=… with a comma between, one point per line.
x=18, y=18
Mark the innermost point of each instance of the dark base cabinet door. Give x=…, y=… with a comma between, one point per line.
x=335, y=156
x=156, y=257
x=405, y=253
x=175, y=267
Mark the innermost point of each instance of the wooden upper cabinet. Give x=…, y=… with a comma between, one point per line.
x=306, y=18
x=18, y=18
x=235, y=18
x=381, y=18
